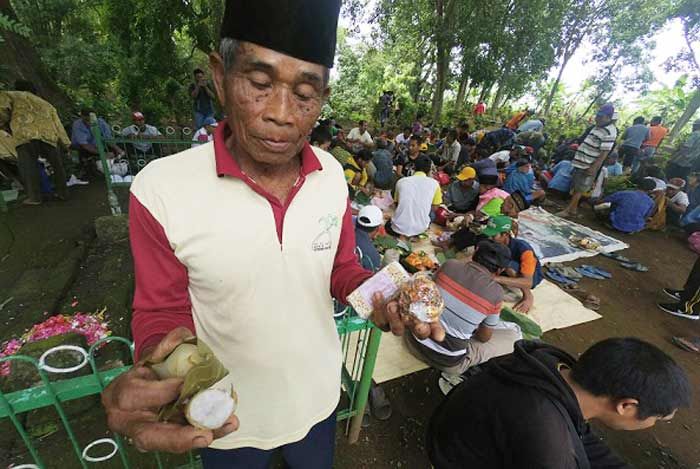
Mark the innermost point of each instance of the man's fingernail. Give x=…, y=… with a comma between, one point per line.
x=200, y=442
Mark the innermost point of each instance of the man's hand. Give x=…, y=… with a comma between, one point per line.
x=132, y=401
x=591, y=171
x=524, y=305
x=388, y=316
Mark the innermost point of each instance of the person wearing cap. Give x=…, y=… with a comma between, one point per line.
x=627, y=211
x=259, y=293
x=524, y=270
x=657, y=220
x=677, y=201
x=590, y=156
x=206, y=133
x=632, y=139
x=523, y=180
x=473, y=301
x=417, y=198
x=687, y=157
x=462, y=195
x=139, y=130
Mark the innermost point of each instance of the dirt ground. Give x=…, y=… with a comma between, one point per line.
x=38, y=241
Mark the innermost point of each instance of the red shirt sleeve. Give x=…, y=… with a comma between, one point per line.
x=161, y=300
x=347, y=273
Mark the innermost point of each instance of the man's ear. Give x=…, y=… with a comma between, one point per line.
x=326, y=94
x=626, y=407
x=216, y=66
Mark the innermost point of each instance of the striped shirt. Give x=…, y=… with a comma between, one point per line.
x=472, y=297
x=598, y=140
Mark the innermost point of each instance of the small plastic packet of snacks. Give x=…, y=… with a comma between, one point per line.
x=387, y=281
x=421, y=297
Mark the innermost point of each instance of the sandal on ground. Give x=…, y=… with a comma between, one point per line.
x=589, y=301
x=589, y=273
x=634, y=266
x=555, y=276
x=615, y=256
x=597, y=270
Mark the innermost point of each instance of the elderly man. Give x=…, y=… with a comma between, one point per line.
x=259, y=294
x=139, y=130
x=462, y=195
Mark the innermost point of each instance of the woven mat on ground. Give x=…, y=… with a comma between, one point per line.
x=554, y=309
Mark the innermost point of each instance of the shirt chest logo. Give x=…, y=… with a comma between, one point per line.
x=322, y=242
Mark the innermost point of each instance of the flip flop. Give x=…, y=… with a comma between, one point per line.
x=570, y=272
x=635, y=266
x=589, y=273
x=589, y=301
x=689, y=344
x=597, y=270
x=555, y=276
x=615, y=256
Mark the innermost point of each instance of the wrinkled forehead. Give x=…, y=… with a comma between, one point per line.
x=252, y=57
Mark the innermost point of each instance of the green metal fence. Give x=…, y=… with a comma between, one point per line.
x=359, y=342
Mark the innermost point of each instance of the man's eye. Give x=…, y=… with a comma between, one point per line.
x=303, y=97
x=260, y=85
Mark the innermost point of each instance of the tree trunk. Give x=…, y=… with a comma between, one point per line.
x=485, y=90
x=555, y=85
x=689, y=112
x=461, y=91
x=443, y=28
x=20, y=60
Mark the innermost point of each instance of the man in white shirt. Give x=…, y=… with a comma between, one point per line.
x=677, y=200
x=403, y=138
x=417, y=196
x=140, y=130
x=360, y=136
x=450, y=151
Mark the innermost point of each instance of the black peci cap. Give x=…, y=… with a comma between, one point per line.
x=493, y=253
x=304, y=29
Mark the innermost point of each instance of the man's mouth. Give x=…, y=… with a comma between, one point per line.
x=276, y=145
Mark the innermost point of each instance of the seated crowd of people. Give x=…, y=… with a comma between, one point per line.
x=476, y=184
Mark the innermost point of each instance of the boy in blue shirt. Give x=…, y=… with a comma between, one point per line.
x=523, y=180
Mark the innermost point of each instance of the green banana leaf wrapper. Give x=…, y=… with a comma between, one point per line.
x=202, y=376
x=530, y=329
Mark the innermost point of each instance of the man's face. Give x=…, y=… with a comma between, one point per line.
x=363, y=127
x=86, y=119
x=406, y=133
x=602, y=120
x=623, y=416
x=483, y=188
x=501, y=238
x=509, y=208
x=413, y=147
x=671, y=192
x=467, y=184
x=524, y=169
x=140, y=123
x=450, y=139
x=272, y=101
x=198, y=77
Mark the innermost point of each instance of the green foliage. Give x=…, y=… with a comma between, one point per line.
x=119, y=55
x=13, y=26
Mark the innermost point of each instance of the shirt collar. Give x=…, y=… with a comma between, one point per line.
x=419, y=173
x=226, y=164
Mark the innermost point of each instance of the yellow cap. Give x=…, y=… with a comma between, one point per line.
x=466, y=173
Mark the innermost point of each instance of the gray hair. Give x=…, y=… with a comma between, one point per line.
x=228, y=48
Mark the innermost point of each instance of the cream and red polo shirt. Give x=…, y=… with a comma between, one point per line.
x=251, y=276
